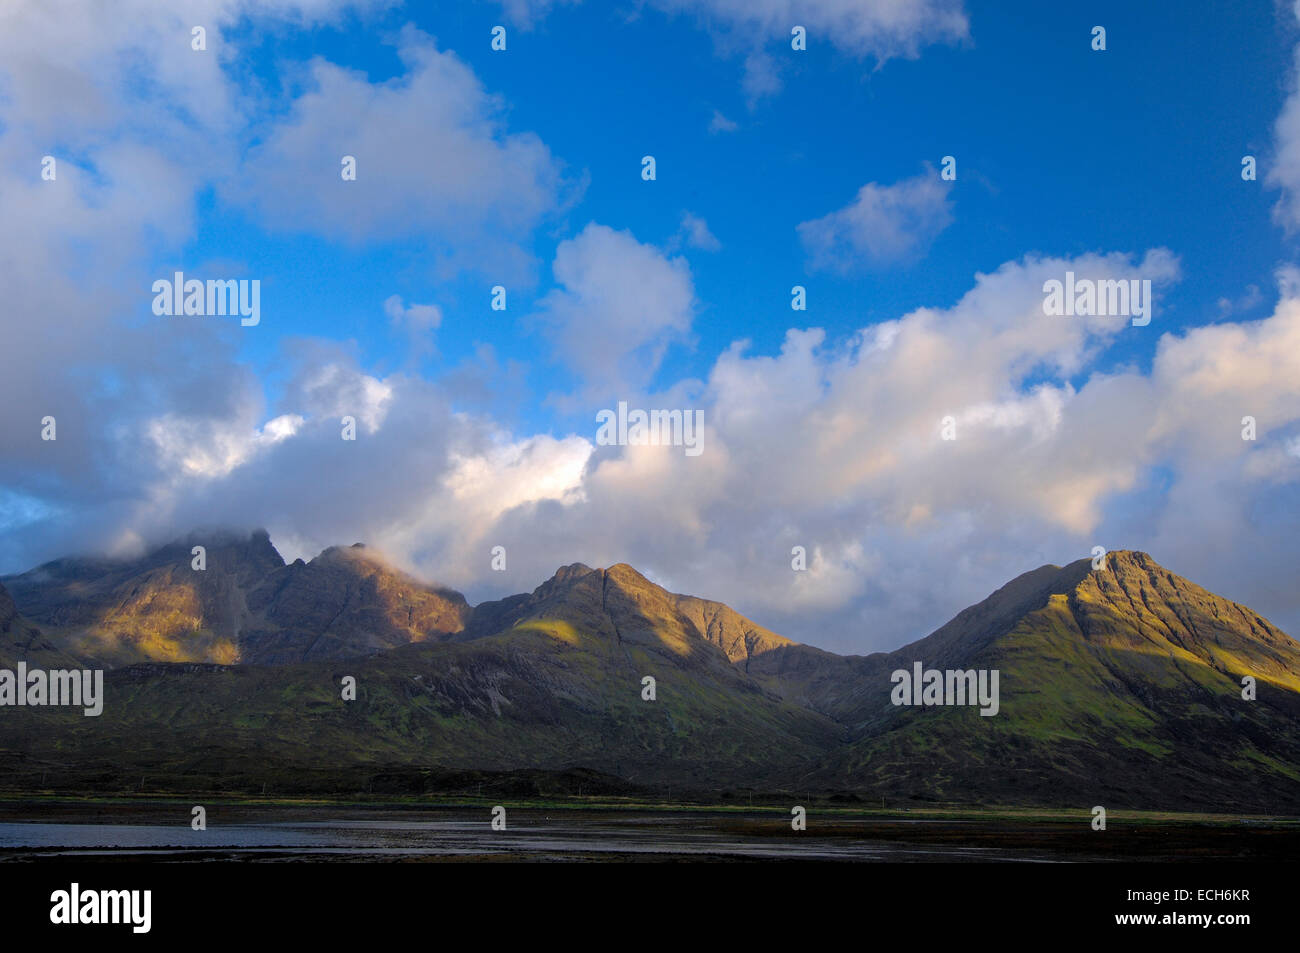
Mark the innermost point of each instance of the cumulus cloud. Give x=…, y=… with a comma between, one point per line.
x=866, y=29
x=145, y=408
x=421, y=482
x=883, y=29
x=837, y=448
x=417, y=317
x=138, y=124
x=433, y=160
x=694, y=233
x=883, y=225
x=129, y=129
x=833, y=445
x=619, y=304
x=1284, y=173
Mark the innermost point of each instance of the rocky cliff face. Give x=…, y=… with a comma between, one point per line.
x=245, y=606
x=20, y=641
x=346, y=602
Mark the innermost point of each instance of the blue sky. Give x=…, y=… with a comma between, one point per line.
x=523, y=168
x=1061, y=150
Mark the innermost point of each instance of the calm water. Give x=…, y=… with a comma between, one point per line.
x=532, y=838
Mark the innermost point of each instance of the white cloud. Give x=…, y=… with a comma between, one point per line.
x=761, y=77
x=695, y=233
x=418, y=322
x=137, y=122
x=883, y=29
x=883, y=225
x=205, y=448
x=432, y=155
x=618, y=307
x=417, y=317
x=328, y=385
x=720, y=123
x=1284, y=172
x=866, y=29
x=831, y=445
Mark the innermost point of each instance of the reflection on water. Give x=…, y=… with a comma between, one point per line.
x=537, y=837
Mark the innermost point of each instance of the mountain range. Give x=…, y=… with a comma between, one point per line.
x=1120, y=686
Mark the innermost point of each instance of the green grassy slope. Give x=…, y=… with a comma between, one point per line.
x=1120, y=687
x=550, y=692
